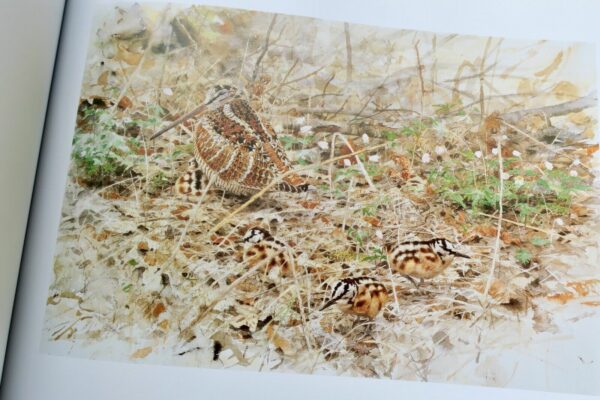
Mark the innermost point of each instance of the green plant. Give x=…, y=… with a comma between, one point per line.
x=102, y=155
x=471, y=183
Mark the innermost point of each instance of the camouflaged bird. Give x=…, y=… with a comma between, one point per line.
x=421, y=259
x=234, y=147
x=363, y=296
x=260, y=247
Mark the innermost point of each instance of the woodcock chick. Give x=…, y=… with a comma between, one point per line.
x=234, y=147
x=421, y=259
x=363, y=296
x=260, y=247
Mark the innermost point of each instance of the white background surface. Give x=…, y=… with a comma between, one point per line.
x=28, y=43
x=33, y=375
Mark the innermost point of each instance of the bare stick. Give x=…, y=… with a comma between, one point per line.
x=556, y=110
x=420, y=69
x=549, y=147
x=510, y=221
x=348, y=52
x=496, y=256
x=265, y=48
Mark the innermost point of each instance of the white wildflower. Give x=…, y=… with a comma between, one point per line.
x=516, y=153
x=559, y=222
x=519, y=181
x=323, y=144
x=167, y=91
x=576, y=162
x=439, y=150
x=478, y=154
x=347, y=162
x=379, y=234
x=306, y=129
x=573, y=172
x=495, y=151
x=365, y=138
x=374, y=158
x=548, y=165
x=505, y=176
x=426, y=158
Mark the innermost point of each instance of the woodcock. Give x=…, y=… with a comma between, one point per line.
x=421, y=259
x=260, y=247
x=234, y=147
x=362, y=296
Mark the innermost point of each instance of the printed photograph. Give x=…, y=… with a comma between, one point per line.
x=265, y=192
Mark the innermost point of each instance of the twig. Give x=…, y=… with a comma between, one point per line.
x=420, y=69
x=510, y=221
x=556, y=110
x=552, y=149
x=265, y=48
x=495, y=257
x=348, y=52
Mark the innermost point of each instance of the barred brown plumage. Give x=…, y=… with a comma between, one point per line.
x=421, y=259
x=363, y=296
x=235, y=148
x=260, y=247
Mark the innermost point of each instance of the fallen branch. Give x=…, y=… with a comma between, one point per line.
x=265, y=48
x=556, y=110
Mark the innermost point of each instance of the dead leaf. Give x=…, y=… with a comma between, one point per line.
x=486, y=230
x=282, y=344
x=565, y=91
x=141, y=353
x=309, y=204
x=562, y=297
x=158, y=309
x=509, y=239
x=550, y=68
x=374, y=221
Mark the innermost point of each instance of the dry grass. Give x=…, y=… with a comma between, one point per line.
x=143, y=274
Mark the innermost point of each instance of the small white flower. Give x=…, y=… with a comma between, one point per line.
x=576, y=162
x=516, y=153
x=374, y=158
x=323, y=144
x=478, y=154
x=548, y=165
x=505, y=176
x=495, y=151
x=347, y=162
x=365, y=138
x=573, y=172
x=519, y=181
x=379, y=234
x=426, y=158
x=167, y=91
x=306, y=129
x=559, y=221
x=439, y=150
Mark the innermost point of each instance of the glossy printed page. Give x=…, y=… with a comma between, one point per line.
x=344, y=200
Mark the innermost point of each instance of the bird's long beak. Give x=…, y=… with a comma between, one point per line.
x=196, y=111
x=457, y=254
x=329, y=304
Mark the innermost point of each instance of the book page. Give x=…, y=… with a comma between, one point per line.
x=403, y=202
x=27, y=64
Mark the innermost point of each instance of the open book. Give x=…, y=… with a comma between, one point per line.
x=263, y=200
